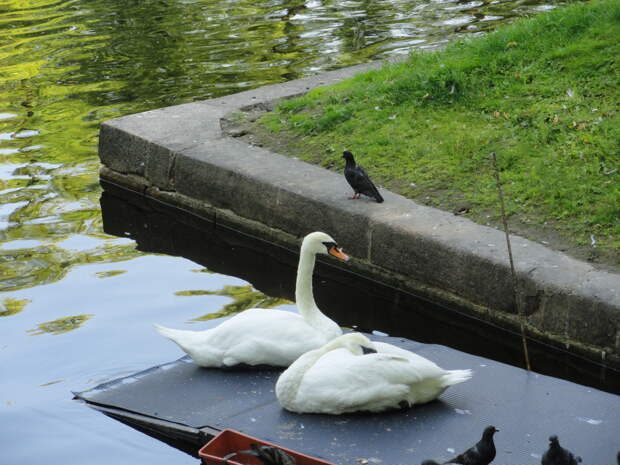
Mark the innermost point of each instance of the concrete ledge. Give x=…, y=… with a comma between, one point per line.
x=180, y=154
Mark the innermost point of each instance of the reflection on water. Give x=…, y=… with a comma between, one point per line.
x=60, y=325
x=109, y=274
x=12, y=306
x=244, y=298
x=67, y=65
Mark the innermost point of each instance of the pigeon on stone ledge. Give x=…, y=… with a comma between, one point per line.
x=358, y=179
x=482, y=453
x=557, y=455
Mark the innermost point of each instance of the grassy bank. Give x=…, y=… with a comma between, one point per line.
x=543, y=93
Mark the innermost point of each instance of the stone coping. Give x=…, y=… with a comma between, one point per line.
x=181, y=155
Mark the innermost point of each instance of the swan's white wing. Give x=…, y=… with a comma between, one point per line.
x=266, y=336
x=341, y=382
x=423, y=366
x=256, y=336
x=433, y=379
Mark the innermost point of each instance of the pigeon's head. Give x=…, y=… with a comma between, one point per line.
x=489, y=431
x=553, y=440
x=321, y=243
x=348, y=156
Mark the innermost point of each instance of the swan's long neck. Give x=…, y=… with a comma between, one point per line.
x=303, y=288
x=305, y=298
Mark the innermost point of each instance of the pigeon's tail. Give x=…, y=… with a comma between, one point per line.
x=456, y=376
x=376, y=195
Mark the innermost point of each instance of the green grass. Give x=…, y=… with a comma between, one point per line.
x=544, y=93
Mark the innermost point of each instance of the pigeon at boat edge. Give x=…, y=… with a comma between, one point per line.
x=482, y=453
x=557, y=455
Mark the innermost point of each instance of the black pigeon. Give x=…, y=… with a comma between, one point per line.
x=270, y=455
x=358, y=179
x=557, y=455
x=482, y=453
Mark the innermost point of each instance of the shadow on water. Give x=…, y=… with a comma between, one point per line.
x=350, y=299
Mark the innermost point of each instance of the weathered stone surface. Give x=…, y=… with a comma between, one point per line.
x=181, y=156
x=412, y=245
x=121, y=151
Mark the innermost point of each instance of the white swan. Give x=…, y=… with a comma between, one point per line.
x=350, y=373
x=266, y=336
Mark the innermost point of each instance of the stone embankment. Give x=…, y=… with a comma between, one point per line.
x=181, y=155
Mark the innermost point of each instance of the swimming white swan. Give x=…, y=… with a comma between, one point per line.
x=266, y=336
x=350, y=373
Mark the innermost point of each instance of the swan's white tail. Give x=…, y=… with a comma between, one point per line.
x=456, y=376
x=172, y=334
x=193, y=343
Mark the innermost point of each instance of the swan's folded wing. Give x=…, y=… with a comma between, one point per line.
x=262, y=336
x=268, y=325
x=341, y=382
x=423, y=366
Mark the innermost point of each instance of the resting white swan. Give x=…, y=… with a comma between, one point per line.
x=350, y=373
x=266, y=336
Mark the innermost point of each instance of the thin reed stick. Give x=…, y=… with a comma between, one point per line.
x=515, y=290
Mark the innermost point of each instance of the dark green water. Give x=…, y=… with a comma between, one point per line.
x=76, y=304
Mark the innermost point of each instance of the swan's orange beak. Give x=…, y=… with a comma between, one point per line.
x=338, y=253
